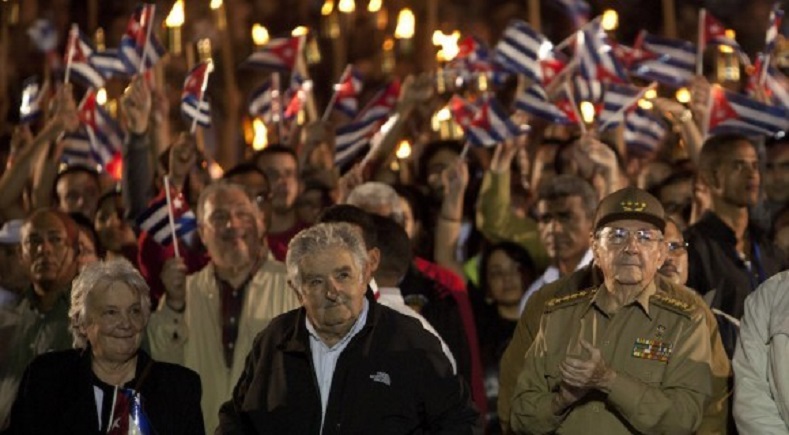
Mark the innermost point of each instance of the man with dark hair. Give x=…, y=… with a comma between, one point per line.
x=39, y=321
x=728, y=256
x=255, y=181
x=77, y=189
x=281, y=166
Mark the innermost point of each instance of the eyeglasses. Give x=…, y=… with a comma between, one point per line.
x=677, y=246
x=620, y=236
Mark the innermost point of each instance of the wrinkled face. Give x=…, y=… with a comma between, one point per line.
x=114, y=324
x=505, y=279
x=86, y=250
x=435, y=166
x=231, y=228
x=112, y=229
x=46, y=250
x=675, y=268
x=78, y=193
x=282, y=173
x=737, y=177
x=776, y=174
x=629, y=252
x=564, y=227
x=12, y=274
x=332, y=289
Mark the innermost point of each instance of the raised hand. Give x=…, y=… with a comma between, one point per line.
x=64, y=109
x=136, y=104
x=415, y=91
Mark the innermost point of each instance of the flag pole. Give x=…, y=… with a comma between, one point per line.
x=333, y=99
x=209, y=69
x=622, y=109
x=170, y=216
x=566, y=41
x=464, y=151
x=73, y=35
x=147, y=38
x=701, y=42
x=571, y=97
x=276, y=104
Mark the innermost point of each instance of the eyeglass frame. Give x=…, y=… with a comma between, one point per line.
x=638, y=234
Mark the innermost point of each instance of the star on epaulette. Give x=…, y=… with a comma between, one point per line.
x=679, y=306
x=570, y=299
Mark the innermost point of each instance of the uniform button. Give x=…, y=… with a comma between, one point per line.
x=232, y=320
x=230, y=345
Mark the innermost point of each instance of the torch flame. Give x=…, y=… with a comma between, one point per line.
x=260, y=139
x=406, y=22
x=449, y=45
x=176, y=17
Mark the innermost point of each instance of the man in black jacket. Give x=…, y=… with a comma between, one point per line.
x=343, y=363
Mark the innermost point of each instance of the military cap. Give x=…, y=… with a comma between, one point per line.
x=630, y=203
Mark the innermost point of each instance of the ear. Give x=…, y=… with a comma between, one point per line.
x=374, y=259
x=710, y=179
x=295, y=290
x=594, y=245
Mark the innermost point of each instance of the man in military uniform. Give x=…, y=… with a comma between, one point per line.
x=625, y=356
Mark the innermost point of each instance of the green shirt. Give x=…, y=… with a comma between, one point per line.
x=659, y=346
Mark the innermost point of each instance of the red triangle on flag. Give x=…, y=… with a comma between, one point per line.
x=721, y=109
x=550, y=69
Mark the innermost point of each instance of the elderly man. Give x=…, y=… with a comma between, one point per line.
x=38, y=322
x=343, y=363
x=623, y=357
x=207, y=322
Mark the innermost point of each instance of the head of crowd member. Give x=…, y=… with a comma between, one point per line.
x=412, y=205
x=729, y=166
x=675, y=267
x=281, y=166
x=231, y=226
x=776, y=170
x=676, y=195
x=436, y=157
x=377, y=198
x=359, y=219
x=89, y=249
x=395, y=252
x=250, y=176
x=12, y=274
x=505, y=272
x=49, y=250
x=77, y=189
x=565, y=211
x=627, y=242
x=780, y=229
x=328, y=269
x=315, y=198
x=113, y=230
x=110, y=307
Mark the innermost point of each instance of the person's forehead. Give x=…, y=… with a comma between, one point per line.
x=277, y=161
x=44, y=223
x=442, y=157
x=631, y=224
x=562, y=204
x=742, y=150
x=77, y=179
x=252, y=180
x=327, y=259
x=227, y=198
x=672, y=233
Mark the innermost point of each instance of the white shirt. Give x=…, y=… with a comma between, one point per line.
x=324, y=358
x=550, y=275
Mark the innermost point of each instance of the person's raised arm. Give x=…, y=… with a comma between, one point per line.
x=137, y=177
x=455, y=181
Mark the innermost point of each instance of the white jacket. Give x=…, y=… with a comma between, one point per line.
x=761, y=361
x=194, y=338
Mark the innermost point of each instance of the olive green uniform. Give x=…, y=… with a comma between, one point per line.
x=659, y=346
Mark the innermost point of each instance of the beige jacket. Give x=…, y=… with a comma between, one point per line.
x=194, y=338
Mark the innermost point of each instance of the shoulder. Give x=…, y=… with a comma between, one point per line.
x=677, y=300
x=174, y=374
x=59, y=361
x=772, y=294
x=574, y=298
x=272, y=267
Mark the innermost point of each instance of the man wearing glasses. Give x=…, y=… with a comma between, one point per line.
x=625, y=356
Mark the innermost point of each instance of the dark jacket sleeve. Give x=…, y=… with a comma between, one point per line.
x=137, y=177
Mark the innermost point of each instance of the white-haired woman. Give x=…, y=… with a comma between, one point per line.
x=107, y=384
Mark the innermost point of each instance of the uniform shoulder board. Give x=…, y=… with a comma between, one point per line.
x=684, y=306
x=571, y=299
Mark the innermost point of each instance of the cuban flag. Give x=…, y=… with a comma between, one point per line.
x=279, y=54
x=736, y=113
x=43, y=34
x=587, y=90
x=106, y=135
x=577, y=10
x=715, y=33
x=353, y=138
x=486, y=124
x=30, y=104
x=347, y=92
x=776, y=16
x=534, y=100
x=156, y=221
x=473, y=57
x=80, y=50
x=260, y=102
x=140, y=49
x=618, y=99
x=597, y=58
x=109, y=64
x=551, y=67
x=664, y=60
x=194, y=107
x=776, y=84
x=295, y=95
x=521, y=48
x=77, y=150
x=644, y=131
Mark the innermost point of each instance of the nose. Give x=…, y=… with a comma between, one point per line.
x=631, y=245
x=332, y=290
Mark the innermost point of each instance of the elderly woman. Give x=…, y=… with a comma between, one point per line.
x=107, y=384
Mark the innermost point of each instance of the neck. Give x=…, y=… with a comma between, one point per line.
x=622, y=294
x=282, y=221
x=113, y=372
x=735, y=217
x=566, y=266
x=46, y=295
x=509, y=312
x=235, y=275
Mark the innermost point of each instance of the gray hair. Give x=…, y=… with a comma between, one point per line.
x=214, y=189
x=566, y=185
x=321, y=237
x=100, y=275
x=374, y=194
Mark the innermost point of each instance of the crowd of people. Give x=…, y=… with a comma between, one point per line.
x=557, y=282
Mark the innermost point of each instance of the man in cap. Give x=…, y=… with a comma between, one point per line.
x=625, y=356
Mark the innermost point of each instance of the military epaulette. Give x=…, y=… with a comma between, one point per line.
x=680, y=306
x=571, y=299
